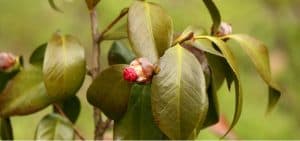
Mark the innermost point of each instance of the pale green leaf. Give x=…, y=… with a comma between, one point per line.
x=54, y=127
x=25, y=93
x=259, y=55
x=64, y=66
x=110, y=92
x=179, y=100
x=150, y=30
x=138, y=122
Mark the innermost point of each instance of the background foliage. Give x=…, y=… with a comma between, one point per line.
x=26, y=24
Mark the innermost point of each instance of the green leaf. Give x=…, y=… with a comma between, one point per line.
x=54, y=6
x=110, y=92
x=37, y=56
x=259, y=55
x=119, y=53
x=179, y=100
x=91, y=4
x=234, y=70
x=138, y=123
x=54, y=127
x=24, y=94
x=215, y=15
x=150, y=30
x=6, y=132
x=64, y=66
x=71, y=108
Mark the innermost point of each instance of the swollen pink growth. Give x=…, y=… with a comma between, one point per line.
x=129, y=74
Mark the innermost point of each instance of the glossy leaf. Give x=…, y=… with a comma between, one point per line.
x=259, y=55
x=64, y=66
x=234, y=70
x=138, y=122
x=37, y=56
x=71, y=108
x=5, y=77
x=54, y=6
x=54, y=127
x=119, y=53
x=91, y=4
x=24, y=94
x=179, y=100
x=215, y=15
x=6, y=132
x=150, y=30
x=110, y=92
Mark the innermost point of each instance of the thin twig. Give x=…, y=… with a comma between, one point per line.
x=61, y=112
x=101, y=128
x=116, y=20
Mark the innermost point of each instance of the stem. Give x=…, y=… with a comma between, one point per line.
x=61, y=112
x=95, y=68
x=116, y=20
x=183, y=39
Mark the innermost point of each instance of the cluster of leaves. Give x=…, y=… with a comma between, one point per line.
x=180, y=100
x=55, y=72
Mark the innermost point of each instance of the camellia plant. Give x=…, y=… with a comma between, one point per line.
x=159, y=85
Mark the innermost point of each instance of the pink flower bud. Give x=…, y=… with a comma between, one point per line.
x=129, y=74
x=142, y=69
x=7, y=61
x=225, y=29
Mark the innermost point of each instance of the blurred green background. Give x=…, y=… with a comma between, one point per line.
x=25, y=24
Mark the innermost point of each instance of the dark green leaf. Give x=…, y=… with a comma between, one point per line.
x=54, y=6
x=92, y=3
x=37, y=57
x=9, y=73
x=71, y=108
x=24, y=94
x=138, y=123
x=179, y=100
x=64, y=66
x=54, y=127
x=110, y=92
x=234, y=70
x=150, y=30
x=259, y=55
x=6, y=132
x=119, y=53
x=215, y=15
x=212, y=116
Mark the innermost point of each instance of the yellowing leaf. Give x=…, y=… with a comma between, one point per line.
x=64, y=66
